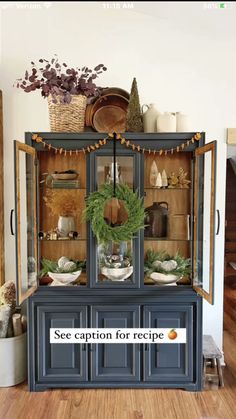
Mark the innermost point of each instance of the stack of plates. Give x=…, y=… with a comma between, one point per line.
x=108, y=112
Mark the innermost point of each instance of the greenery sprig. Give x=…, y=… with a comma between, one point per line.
x=52, y=266
x=94, y=213
x=163, y=263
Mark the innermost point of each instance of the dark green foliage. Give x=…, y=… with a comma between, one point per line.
x=94, y=213
x=183, y=265
x=52, y=266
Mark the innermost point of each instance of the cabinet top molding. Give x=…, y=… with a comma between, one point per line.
x=167, y=148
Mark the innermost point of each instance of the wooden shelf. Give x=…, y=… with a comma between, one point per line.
x=62, y=240
x=72, y=187
x=153, y=188
x=165, y=239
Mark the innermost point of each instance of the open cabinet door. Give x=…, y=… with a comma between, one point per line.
x=25, y=221
x=204, y=220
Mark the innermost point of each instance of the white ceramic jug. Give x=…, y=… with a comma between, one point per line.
x=150, y=117
x=166, y=122
x=182, y=122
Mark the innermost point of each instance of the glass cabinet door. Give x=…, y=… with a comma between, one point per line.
x=204, y=220
x=25, y=220
x=117, y=264
x=168, y=235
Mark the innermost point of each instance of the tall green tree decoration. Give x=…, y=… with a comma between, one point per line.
x=134, y=121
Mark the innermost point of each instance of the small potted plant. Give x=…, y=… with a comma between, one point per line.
x=64, y=205
x=165, y=269
x=13, y=342
x=63, y=272
x=66, y=88
x=115, y=261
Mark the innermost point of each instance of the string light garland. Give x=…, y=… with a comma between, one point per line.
x=100, y=143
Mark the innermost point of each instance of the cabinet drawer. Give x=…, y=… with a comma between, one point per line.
x=169, y=361
x=115, y=362
x=58, y=361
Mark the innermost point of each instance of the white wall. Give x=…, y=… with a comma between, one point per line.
x=181, y=54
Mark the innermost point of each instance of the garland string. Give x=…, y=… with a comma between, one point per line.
x=129, y=144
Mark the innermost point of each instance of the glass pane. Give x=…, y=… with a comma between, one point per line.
x=26, y=223
x=204, y=221
x=124, y=171
x=62, y=229
x=168, y=232
x=115, y=262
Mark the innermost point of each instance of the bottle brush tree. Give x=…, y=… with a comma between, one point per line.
x=134, y=121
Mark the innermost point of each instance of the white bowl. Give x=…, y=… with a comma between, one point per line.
x=117, y=274
x=64, y=278
x=163, y=279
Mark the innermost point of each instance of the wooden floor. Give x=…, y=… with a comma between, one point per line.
x=18, y=403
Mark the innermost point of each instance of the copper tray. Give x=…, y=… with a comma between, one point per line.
x=108, y=99
x=110, y=118
x=115, y=90
x=109, y=113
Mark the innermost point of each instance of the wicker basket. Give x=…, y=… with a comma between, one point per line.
x=67, y=117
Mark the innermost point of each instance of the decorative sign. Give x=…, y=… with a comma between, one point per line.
x=129, y=335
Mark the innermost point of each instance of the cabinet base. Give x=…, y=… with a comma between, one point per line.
x=184, y=386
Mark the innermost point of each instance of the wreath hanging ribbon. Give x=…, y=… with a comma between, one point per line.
x=94, y=212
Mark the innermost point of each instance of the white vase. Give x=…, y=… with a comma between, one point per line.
x=13, y=356
x=150, y=117
x=166, y=122
x=65, y=225
x=182, y=122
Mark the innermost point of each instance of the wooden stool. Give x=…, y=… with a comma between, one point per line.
x=211, y=353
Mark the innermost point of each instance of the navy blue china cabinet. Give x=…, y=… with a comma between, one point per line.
x=97, y=300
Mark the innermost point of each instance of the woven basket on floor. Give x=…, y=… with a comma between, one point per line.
x=67, y=117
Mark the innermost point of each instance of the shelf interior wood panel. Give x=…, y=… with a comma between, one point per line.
x=49, y=163
x=70, y=249
x=168, y=163
x=182, y=247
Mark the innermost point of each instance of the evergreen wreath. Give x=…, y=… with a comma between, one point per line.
x=94, y=212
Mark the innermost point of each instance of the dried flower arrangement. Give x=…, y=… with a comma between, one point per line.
x=59, y=80
x=178, y=180
x=11, y=323
x=64, y=203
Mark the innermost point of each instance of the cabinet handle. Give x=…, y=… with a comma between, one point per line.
x=218, y=222
x=11, y=222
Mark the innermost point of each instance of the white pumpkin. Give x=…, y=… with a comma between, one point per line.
x=169, y=265
x=69, y=266
x=157, y=264
x=62, y=261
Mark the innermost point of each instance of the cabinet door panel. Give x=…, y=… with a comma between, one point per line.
x=59, y=361
x=169, y=361
x=25, y=221
x=116, y=362
x=101, y=170
x=204, y=216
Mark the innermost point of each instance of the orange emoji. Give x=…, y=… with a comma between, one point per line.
x=172, y=334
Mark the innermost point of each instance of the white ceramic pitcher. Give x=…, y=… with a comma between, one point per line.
x=150, y=117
